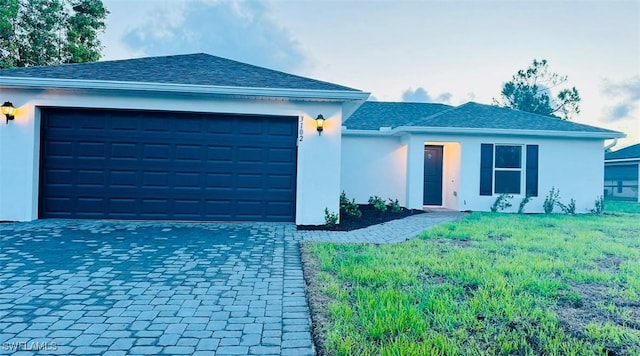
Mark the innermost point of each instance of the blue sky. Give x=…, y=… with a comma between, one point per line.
x=436, y=51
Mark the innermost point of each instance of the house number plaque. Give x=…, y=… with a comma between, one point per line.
x=300, y=130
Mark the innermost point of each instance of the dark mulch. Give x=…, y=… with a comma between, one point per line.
x=370, y=216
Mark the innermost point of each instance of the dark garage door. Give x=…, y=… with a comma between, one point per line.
x=159, y=165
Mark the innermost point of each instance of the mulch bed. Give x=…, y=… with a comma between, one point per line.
x=370, y=216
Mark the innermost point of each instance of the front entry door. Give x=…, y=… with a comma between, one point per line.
x=432, y=175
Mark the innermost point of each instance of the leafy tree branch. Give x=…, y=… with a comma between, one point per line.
x=532, y=90
x=46, y=32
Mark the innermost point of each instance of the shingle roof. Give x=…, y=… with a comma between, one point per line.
x=372, y=115
x=627, y=152
x=197, y=69
x=474, y=115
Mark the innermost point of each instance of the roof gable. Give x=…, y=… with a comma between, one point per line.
x=193, y=69
x=625, y=153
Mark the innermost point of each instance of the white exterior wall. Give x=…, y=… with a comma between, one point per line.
x=387, y=165
x=318, y=175
x=573, y=166
x=373, y=166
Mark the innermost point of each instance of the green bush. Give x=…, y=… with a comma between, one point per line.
x=551, y=200
x=378, y=203
x=349, y=207
x=501, y=202
x=569, y=208
x=395, y=206
x=599, y=208
x=523, y=202
x=330, y=219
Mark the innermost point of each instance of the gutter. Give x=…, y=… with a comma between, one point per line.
x=311, y=94
x=622, y=160
x=403, y=130
x=615, y=142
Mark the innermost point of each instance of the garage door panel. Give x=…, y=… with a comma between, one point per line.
x=153, y=165
x=282, y=128
x=220, y=154
x=122, y=206
x=251, y=127
x=189, y=152
x=190, y=125
x=59, y=148
x=90, y=149
x=124, y=150
x=281, y=155
x=250, y=154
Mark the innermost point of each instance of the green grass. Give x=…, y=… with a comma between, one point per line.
x=486, y=284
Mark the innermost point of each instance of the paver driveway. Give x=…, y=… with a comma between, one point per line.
x=96, y=287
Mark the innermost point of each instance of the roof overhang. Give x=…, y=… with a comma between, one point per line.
x=404, y=130
x=75, y=84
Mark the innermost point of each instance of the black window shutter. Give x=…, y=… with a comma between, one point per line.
x=486, y=169
x=532, y=171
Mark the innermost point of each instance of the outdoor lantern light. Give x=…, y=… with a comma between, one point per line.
x=8, y=110
x=320, y=124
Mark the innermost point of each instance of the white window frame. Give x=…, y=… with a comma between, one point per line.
x=521, y=169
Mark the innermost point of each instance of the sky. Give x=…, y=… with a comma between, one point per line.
x=437, y=51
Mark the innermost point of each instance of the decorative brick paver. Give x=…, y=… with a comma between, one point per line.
x=141, y=288
x=390, y=232
x=146, y=288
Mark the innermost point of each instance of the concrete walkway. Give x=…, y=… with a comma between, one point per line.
x=147, y=288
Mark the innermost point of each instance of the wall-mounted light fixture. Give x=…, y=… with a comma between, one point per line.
x=8, y=110
x=320, y=124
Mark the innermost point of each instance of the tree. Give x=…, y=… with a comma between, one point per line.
x=45, y=32
x=83, y=44
x=531, y=90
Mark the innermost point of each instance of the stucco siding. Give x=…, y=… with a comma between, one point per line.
x=390, y=166
x=374, y=166
x=318, y=161
x=572, y=166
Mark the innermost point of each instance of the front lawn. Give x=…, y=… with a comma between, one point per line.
x=486, y=284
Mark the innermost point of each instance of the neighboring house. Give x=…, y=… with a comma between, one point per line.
x=198, y=137
x=621, y=171
x=462, y=158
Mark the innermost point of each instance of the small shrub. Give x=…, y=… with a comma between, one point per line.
x=569, y=208
x=378, y=203
x=394, y=205
x=599, y=206
x=349, y=207
x=501, y=202
x=523, y=203
x=551, y=200
x=330, y=219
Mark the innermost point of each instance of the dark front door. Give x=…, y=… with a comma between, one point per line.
x=432, y=175
x=120, y=164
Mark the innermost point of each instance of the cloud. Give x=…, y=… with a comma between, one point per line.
x=241, y=30
x=619, y=112
x=627, y=96
x=420, y=95
x=444, y=98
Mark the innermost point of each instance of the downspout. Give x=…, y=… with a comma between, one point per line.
x=615, y=142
